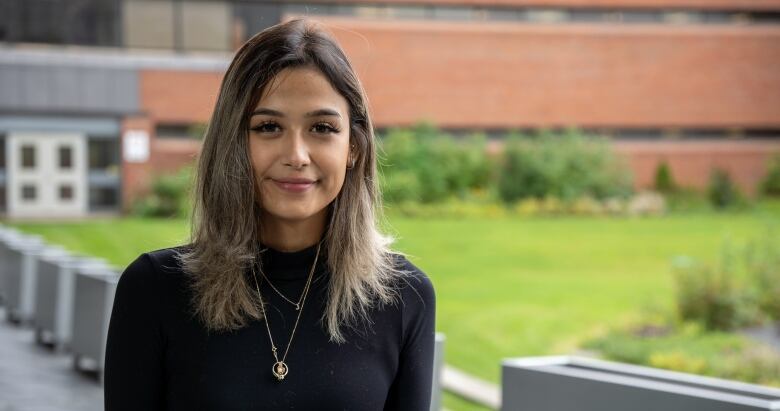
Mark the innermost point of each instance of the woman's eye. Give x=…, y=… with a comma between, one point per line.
x=271, y=127
x=266, y=127
x=325, y=128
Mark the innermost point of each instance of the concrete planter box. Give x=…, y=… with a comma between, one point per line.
x=93, y=301
x=573, y=383
x=54, y=297
x=6, y=235
x=20, y=259
x=438, y=367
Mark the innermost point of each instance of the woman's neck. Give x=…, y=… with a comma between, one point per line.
x=291, y=235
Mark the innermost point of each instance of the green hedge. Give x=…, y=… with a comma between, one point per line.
x=169, y=196
x=566, y=166
x=742, y=289
x=686, y=347
x=423, y=164
x=771, y=183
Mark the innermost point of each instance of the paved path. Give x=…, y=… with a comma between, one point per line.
x=471, y=388
x=34, y=378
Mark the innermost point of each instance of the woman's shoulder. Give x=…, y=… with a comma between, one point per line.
x=415, y=285
x=153, y=269
x=418, y=307
x=166, y=260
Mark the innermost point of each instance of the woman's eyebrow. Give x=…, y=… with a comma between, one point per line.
x=315, y=113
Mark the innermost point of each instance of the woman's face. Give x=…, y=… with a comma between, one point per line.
x=299, y=145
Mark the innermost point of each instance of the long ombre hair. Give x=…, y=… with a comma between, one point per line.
x=226, y=218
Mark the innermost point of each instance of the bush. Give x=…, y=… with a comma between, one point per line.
x=721, y=191
x=168, y=197
x=688, y=348
x=707, y=296
x=423, y=164
x=771, y=183
x=664, y=182
x=567, y=166
x=687, y=199
x=400, y=186
x=715, y=296
x=762, y=258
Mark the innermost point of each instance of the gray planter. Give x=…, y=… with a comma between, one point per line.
x=93, y=300
x=54, y=297
x=573, y=383
x=20, y=259
x=438, y=367
x=6, y=235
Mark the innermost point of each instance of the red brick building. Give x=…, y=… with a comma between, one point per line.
x=695, y=83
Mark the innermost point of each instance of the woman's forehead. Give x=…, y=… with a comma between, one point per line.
x=298, y=91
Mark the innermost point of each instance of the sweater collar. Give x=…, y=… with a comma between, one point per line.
x=290, y=265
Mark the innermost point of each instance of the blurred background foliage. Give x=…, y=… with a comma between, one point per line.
x=426, y=172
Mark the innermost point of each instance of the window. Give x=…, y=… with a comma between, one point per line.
x=189, y=131
x=2, y=152
x=66, y=157
x=103, y=197
x=66, y=192
x=104, y=155
x=148, y=23
x=88, y=22
x=205, y=25
x=3, y=200
x=28, y=156
x=29, y=192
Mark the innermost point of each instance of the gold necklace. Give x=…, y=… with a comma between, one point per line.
x=280, y=368
x=279, y=293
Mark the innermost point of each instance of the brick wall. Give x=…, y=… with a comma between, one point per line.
x=512, y=75
x=623, y=4
x=692, y=161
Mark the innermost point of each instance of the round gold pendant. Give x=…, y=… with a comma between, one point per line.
x=280, y=370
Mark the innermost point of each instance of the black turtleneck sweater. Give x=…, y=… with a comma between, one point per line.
x=160, y=357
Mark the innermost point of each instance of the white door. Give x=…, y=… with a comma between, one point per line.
x=47, y=174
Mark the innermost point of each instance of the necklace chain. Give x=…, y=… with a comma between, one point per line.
x=279, y=293
x=280, y=368
x=297, y=305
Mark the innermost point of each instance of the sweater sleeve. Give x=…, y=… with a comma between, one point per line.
x=133, y=377
x=411, y=388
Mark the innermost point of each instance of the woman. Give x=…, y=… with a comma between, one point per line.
x=286, y=210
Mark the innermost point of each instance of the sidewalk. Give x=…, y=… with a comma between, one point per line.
x=34, y=378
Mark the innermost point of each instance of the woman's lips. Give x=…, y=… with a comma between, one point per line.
x=294, y=187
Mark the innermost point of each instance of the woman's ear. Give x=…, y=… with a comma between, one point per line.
x=352, y=157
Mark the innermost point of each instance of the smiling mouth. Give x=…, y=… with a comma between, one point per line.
x=294, y=187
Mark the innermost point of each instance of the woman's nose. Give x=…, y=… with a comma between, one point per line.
x=296, y=151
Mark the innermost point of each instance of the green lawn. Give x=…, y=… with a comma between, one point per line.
x=505, y=286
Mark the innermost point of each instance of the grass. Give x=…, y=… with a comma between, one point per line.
x=519, y=288
x=506, y=287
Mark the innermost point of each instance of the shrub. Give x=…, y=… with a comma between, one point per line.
x=678, y=361
x=712, y=296
x=755, y=363
x=400, y=186
x=771, y=183
x=687, y=199
x=565, y=166
x=688, y=348
x=762, y=258
x=168, y=197
x=721, y=191
x=664, y=182
x=705, y=297
x=423, y=164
